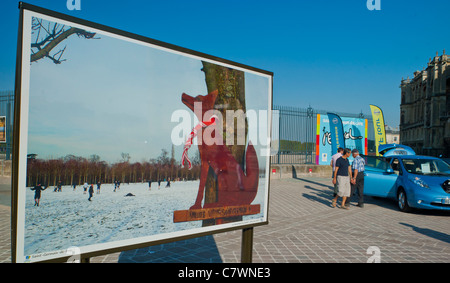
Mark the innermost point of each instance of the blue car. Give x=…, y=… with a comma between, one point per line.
x=414, y=181
x=446, y=160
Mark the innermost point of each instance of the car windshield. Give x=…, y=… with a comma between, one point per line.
x=427, y=167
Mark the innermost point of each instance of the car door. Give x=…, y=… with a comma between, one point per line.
x=398, y=173
x=379, y=178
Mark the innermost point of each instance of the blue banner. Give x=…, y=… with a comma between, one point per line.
x=336, y=132
x=355, y=134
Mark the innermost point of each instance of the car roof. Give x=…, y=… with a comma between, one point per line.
x=415, y=157
x=385, y=148
x=410, y=156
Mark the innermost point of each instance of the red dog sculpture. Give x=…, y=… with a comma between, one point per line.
x=234, y=187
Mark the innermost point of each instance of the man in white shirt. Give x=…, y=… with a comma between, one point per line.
x=85, y=187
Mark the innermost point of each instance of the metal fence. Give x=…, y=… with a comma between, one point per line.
x=7, y=110
x=294, y=133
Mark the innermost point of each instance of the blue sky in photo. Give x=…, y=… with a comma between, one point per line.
x=332, y=55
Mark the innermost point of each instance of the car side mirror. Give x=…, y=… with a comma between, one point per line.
x=389, y=171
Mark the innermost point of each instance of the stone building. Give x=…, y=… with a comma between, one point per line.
x=425, y=108
x=392, y=135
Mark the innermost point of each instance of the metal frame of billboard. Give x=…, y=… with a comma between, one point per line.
x=247, y=229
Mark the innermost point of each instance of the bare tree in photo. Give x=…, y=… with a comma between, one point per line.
x=125, y=157
x=230, y=84
x=72, y=164
x=49, y=35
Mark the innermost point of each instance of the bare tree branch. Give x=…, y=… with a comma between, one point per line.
x=45, y=51
x=53, y=36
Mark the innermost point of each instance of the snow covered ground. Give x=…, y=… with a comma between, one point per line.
x=67, y=218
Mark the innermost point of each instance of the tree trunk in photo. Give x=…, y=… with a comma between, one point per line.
x=71, y=178
x=230, y=84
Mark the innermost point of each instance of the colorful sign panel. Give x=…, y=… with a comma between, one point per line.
x=105, y=118
x=2, y=129
x=355, y=134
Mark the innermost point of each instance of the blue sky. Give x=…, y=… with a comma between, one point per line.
x=332, y=55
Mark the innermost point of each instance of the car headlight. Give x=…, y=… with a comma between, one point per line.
x=446, y=186
x=419, y=182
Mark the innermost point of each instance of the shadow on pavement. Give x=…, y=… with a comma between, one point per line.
x=315, y=183
x=382, y=202
x=320, y=196
x=429, y=232
x=197, y=250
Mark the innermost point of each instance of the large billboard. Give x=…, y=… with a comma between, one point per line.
x=355, y=134
x=125, y=141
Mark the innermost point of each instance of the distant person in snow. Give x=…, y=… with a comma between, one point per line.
x=37, y=193
x=91, y=192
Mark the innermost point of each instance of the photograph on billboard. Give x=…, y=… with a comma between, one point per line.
x=125, y=140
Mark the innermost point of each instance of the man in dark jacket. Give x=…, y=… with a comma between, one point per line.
x=37, y=193
x=91, y=192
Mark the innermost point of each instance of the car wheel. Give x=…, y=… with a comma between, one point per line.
x=402, y=201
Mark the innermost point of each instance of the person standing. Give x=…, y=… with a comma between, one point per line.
x=91, y=192
x=37, y=193
x=98, y=186
x=85, y=187
x=334, y=158
x=342, y=177
x=357, y=182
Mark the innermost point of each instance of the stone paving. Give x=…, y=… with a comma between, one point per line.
x=304, y=228
x=5, y=237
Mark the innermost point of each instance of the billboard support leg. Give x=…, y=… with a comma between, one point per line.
x=247, y=245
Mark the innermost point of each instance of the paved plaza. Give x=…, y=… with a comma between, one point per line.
x=304, y=228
